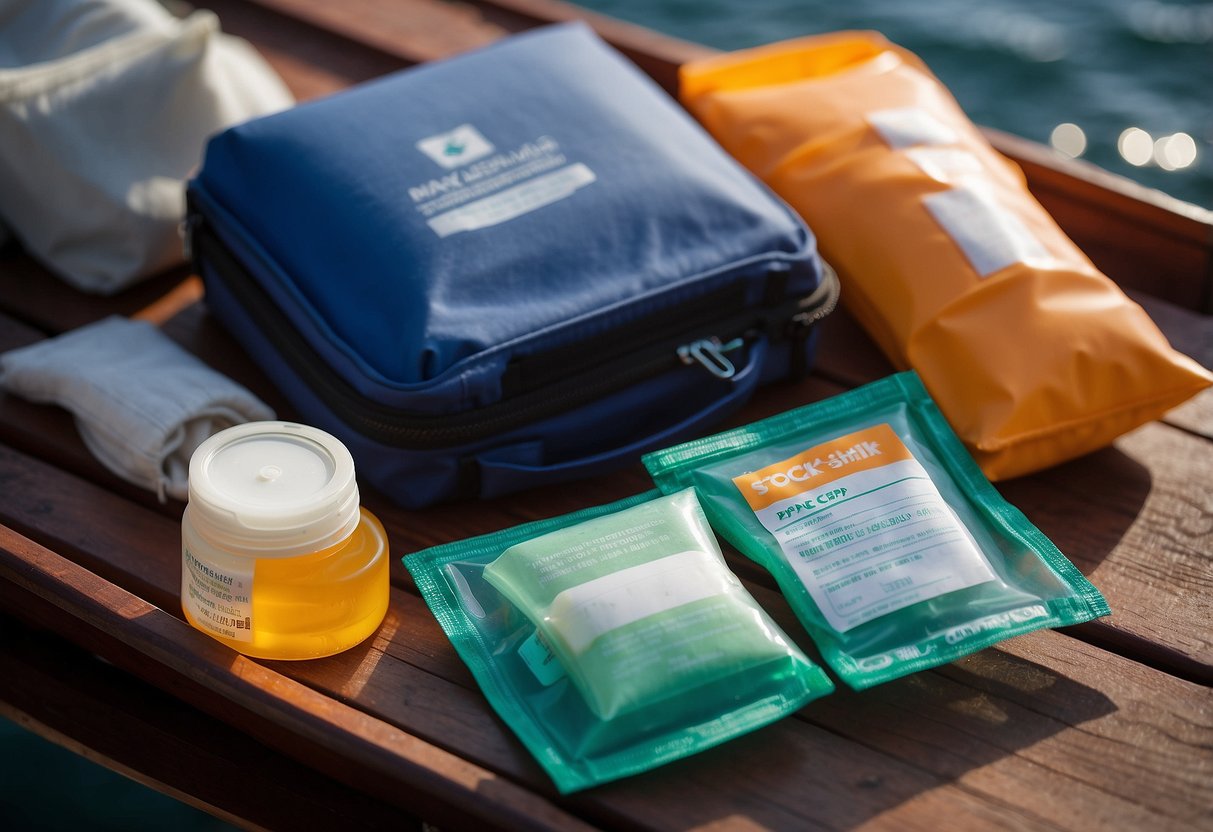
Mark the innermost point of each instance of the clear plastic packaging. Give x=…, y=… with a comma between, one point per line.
x=894, y=550
x=616, y=639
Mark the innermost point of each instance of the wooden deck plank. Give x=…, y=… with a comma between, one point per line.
x=406, y=675
x=35, y=297
x=1140, y=572
x=425, y=30
x=312, y=60
x=1045, y=731
x=1085, y=740
x=76, y=700
x=155, y=645
x=1137, y=518
x=341, y=741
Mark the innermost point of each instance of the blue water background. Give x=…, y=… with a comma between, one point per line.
x=46, y=788
x=1023, y=66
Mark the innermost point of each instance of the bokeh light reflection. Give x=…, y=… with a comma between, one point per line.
x=1169, y=153
x=1175, y=152
x=1069, y=139
x=1136, y=146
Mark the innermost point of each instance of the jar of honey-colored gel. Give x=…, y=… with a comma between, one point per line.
x=278, y=560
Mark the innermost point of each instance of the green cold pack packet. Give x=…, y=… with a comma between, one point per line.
x=614, y=639
x=894, y=550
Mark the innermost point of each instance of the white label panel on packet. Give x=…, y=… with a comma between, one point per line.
x=219, y=599
x=990, y=235
x=864, y=527
x=586, y=611
x=904, y=127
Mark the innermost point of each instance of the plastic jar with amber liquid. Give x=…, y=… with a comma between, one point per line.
x=278, y=559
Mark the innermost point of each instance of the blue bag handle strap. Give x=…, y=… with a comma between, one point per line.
x=499, y=476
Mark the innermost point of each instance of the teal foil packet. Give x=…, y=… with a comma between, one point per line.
x=894, y=550
x=615, y=639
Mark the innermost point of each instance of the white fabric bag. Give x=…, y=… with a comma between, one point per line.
x=105, y=107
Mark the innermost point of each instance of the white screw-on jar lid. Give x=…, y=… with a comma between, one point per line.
x=273, y=490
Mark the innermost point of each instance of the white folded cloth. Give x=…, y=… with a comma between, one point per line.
x=105, y=107
x=142, y=403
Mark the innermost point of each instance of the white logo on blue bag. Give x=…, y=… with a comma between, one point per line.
x=456, y=147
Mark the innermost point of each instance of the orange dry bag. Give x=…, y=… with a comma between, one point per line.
x=947, y=261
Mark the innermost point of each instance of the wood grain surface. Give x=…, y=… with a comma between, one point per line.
x=1104, y=726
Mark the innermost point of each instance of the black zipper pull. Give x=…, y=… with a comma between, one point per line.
x=710, y=353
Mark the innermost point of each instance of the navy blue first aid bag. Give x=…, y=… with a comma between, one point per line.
x=518, y=266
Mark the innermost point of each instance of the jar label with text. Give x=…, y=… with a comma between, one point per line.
x=219, y=599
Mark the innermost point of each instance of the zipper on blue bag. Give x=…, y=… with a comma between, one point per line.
x=709, y=339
